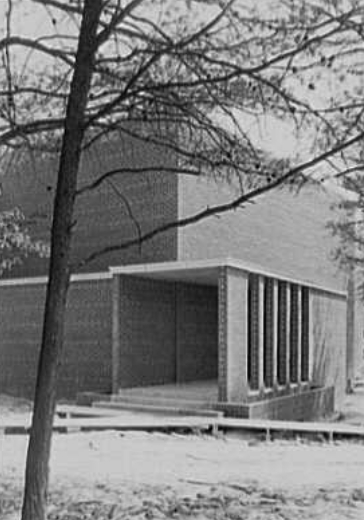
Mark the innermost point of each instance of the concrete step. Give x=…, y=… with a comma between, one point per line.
x=175, y=402
x=190, y=391
x=76, y=411
x=156, y=408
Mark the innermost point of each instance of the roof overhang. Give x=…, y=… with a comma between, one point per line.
x=206, y=272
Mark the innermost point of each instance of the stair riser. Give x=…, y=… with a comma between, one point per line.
x=193, y=396
x=167, y=410
x=161, y=401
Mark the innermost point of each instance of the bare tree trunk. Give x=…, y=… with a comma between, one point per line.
x=37, y=466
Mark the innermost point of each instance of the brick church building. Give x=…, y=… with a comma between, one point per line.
x=250, y=302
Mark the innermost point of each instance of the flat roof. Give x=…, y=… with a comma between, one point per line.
x=206, y=272
x=203, y=272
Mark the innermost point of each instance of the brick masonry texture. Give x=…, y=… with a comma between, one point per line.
x=305, y=334
x=294, y=334
x=196, y=329
x=253, y=332
x=87, y=356
x=233, y=334
x=268, y=333
x=284, y=232
x=329, y=341
x=147, y=332
x=282, y=333
x=104, y=216
x=306, y=406
x=223, y=336
x=20, y=332
x=168, y=332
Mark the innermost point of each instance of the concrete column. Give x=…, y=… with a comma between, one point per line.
x=115, y=357
x=233, y=335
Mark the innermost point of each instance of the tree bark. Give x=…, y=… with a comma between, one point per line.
x=37, y=464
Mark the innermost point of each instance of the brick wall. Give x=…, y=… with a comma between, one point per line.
x=328, y=354
x=294, y=334
x=269, y=331
x=282, y=232
x=168, y=332
x=196, y=332
x=253, y=332
x=20, y=333
x=282, y=333
x=233, y=335
x=87, y=356
x=111, y=214
x=147, y=332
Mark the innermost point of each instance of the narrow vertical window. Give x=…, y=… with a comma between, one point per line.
x=268, y=332
x=293, y=337
x=253, y=332
x=282, y=334
x=305, y=334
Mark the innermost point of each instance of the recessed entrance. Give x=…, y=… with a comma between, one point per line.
x=168, y=332
x=196, y=339
x=195, y=322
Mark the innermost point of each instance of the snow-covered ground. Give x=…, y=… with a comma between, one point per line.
x=151, y=472
x=139, y=475
x=184, y=461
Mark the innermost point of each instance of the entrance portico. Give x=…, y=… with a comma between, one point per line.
x=259, y=328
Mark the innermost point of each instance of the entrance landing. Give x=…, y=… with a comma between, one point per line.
x=199, y=391
x=194, y=398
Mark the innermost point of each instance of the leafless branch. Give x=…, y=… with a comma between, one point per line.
x=129, y=209
x=222, y=208
x=29, y=43
x=135, y=171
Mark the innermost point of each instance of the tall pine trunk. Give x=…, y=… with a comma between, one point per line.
x=37, y=464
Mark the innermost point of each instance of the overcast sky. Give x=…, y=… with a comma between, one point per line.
x=274, y=136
